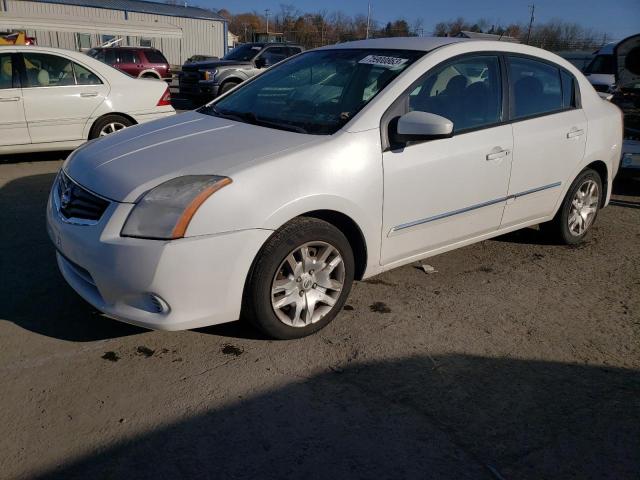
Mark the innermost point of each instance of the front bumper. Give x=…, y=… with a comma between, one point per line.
x=204, y=88
x=199, y=279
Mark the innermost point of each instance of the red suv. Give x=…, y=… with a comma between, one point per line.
x=136, y=61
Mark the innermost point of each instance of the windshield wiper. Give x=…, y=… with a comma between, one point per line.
x=221, y=113
x=251, y=118
x=282, y=126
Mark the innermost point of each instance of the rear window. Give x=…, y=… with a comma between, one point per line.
x=154, y=56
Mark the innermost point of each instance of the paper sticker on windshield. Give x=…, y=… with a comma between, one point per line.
x=382, y=61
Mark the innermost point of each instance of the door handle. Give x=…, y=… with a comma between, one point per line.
x=89, y=94
x=9, y=99
x=573, y=133
x=495, y=155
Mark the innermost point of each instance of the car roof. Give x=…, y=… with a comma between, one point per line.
x=401, y=43
x=125, y=47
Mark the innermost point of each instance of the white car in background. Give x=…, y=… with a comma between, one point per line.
x=339, y=163
x=53, y=99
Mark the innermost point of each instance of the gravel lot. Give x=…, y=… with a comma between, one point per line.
x=516, y=359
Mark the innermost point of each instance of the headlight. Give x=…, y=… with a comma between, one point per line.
x=209, y=74
x=165, y=211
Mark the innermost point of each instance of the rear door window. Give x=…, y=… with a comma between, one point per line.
x=536, y=88
x=274, y=55
x=85, y=76
x=568, y=90
x=128, y=56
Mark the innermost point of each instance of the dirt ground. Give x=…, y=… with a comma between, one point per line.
x=516, y=359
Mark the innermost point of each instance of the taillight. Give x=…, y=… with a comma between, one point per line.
x=165, y=99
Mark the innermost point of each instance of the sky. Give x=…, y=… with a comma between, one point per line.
x=616, y=18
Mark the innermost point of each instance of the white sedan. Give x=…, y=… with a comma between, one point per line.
x=335, y=165
x=53, y=99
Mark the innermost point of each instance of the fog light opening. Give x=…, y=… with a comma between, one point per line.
x=159, y=305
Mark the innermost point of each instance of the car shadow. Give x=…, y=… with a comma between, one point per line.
x=441, y=417
x=34, y=294
x=28, y=157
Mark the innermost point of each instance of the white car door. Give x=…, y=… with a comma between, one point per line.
x=549, y=132
x=445, y=191
x=13, y=125
x=60, y=96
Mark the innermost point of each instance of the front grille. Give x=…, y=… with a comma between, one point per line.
x=190, y=77
x=77, y=203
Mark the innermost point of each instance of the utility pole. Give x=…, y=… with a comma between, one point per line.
x=368, y=17
x=532, y=9
x=267, y=13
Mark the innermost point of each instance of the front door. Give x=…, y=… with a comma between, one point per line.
x=549, y=132
x=13, y=125
x=60, y=96
x=445, y=191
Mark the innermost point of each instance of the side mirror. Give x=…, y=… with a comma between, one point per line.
x=421, y=126
x=262, y=62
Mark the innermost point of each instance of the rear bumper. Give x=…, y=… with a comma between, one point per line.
x=144, y=117
x=630, y=159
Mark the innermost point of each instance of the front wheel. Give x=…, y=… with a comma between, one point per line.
x=579, y=209
x=300, y=279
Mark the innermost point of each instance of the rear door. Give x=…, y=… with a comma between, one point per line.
x=549, y=133
x=13, y=124
x=60, y=95
x=128, y=62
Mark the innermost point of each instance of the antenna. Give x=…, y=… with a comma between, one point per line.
x=267, y=13
x=532, y=9
x=368, y=17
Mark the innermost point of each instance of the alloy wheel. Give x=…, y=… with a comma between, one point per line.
x=584, y=207
x=111, y=127
x=307, y=284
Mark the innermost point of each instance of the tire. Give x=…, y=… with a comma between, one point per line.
x=109, y=122
x=277, y=296
x=150, y=75
x=569, y=226
x=226, y=86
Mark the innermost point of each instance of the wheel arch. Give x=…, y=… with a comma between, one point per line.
x=602, y=170
x=351, y=230
x=231, y=79
x=148, y=73
x=93, y=124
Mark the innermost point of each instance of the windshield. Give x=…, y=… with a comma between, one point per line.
x=602, y=64
x=317, y=92
x=243, y=53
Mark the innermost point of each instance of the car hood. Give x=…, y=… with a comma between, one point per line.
x=124, y=165
x=213, y=64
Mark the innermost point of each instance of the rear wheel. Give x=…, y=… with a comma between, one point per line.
x=578, y=211
x=109, y=124
x=300, y=279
